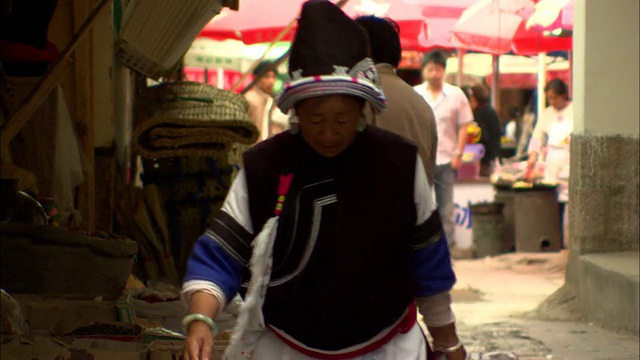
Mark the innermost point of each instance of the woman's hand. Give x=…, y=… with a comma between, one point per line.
x=533, y=159
x=199, y=343
x=458, y=354
x=447, y=343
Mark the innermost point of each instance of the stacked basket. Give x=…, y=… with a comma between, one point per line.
x=204, y=131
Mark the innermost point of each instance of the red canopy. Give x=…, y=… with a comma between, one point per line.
x=500, y=26
x=260, y=21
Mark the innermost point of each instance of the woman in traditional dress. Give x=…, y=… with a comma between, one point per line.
x=329, y=232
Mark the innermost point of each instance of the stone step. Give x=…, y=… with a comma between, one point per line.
x=609, y=288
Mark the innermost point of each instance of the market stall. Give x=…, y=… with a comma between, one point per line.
x=86, y=254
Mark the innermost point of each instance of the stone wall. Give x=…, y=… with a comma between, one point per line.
x=603, y=194
x=602, y=268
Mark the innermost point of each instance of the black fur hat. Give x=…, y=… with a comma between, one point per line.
x=329, y=55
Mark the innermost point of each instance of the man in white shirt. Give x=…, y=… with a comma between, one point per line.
x=406, y=114
x=453, y=114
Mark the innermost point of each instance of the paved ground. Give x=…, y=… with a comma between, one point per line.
x=496, y=301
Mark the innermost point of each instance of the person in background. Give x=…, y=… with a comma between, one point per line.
x=526, y=129
x=453, y=114
x=262, y=110
x=487, y=118
x=512, y=127
x=407, y=113
x=351, y=245
x=551, y=141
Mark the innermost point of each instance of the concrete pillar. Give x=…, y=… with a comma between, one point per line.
x=604, y=146
x=603, y=190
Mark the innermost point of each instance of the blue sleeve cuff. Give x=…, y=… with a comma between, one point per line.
x=210, y=262
x=432, y=269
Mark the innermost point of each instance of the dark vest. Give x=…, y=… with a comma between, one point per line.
x=342, y=270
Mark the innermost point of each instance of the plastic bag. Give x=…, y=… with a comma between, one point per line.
x=68, y=164
x=13, y=322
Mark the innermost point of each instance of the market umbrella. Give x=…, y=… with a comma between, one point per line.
x=412, y=24
x=500, y=26
x=260, y=21
x=550, y=15
x=441, y=17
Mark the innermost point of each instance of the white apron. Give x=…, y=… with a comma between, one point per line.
x=558, y=158
x=409, y=346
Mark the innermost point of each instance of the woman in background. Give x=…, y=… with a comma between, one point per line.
x=551, y=142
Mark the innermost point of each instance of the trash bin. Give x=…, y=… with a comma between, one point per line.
x=505, y=195
x=487, y=229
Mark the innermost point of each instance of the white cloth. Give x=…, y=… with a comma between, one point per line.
x=452, y=111
x=409, y=346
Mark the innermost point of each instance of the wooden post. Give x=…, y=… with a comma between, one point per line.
x=85, y=125
x=495, y=79
x=542, y=82
x=570, y=83
x=460, y=73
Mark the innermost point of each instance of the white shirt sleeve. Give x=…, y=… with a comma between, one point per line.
x=237, y=202
x=422, y=194
x=190, y=287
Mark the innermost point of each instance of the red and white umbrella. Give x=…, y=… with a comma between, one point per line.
x=412, y=24
x=550, y=15
x=441, y=17
x=260, y=21
x=500, y=26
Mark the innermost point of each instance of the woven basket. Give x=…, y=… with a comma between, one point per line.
x=187, y=221
x=192, y=188
x=190, y=119
x=186, y=165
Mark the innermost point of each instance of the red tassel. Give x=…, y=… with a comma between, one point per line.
x=283, y=189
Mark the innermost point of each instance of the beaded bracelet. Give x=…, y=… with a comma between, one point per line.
x=199, y=317
x=449, y=349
